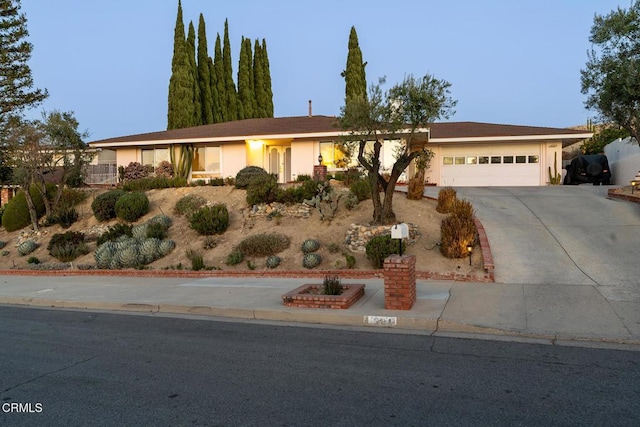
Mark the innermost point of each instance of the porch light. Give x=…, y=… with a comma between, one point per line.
x=633, y=185
x=469, y=250
x=320, y=159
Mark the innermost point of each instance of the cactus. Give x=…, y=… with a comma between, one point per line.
x=311, y=260
x=161, y=219
x=556, y=178
x=325, y=201
x=27, y=247
x=273, y=261
x=310, y=245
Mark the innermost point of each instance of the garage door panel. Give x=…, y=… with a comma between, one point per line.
x=513, y=165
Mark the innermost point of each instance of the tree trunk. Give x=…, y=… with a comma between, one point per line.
x=32, y=209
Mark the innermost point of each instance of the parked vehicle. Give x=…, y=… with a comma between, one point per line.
x=590, y=168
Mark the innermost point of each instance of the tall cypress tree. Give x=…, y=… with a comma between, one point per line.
x=230, y=86
x=354, y=75
x=193, y=68
x=215, y=99
x=204, y=74
x=268, y=92
x=221, y=99
x=258, y=81
x=16, y=85
x=181, y=110
x=246, y=95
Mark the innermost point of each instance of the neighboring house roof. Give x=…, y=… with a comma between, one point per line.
x=328, y=127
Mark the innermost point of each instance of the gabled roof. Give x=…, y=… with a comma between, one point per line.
x=328, y=127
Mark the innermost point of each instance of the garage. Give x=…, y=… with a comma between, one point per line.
x=487, y=165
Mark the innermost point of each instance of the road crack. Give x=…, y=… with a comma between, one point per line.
x=49, y=373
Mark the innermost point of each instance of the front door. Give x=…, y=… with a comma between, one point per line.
x=279, y=161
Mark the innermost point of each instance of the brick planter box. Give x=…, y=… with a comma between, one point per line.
x=304, y=297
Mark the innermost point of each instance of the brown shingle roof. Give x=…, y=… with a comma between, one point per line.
x=245, y=129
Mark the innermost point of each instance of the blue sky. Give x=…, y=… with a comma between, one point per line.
x=509, y=61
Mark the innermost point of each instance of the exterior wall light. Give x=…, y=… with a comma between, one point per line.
x=320, y=159
x=469, y=250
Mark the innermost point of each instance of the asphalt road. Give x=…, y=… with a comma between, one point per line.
x=82, y=368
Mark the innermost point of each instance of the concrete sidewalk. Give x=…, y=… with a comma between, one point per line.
x=558, y=313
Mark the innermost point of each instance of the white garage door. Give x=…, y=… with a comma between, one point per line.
x=490, y=165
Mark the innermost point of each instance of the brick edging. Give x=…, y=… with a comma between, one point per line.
x=613, y=192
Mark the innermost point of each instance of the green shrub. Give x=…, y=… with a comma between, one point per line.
x=245, y=175
x=446, y=199
x=351, y=175
x=264, y=244
x=216, y=182
x=303, y=177
x=145, y=184
x=331, y=285
x=361, y=188
x=72, y=237
x=65, y=216
x=132, y=206
x=197, y=261
x=2, y=244
x=350, y=260
x=114, y=232
x=299, y=193
x=16, y=214
x=104, y=205
x=457, y=231
x=68, y=252
x=156, y=230
x=188, y=204
x=33, y=260
x=262, y=189
x=380, y=247
x=235, y=257
x=210, y=220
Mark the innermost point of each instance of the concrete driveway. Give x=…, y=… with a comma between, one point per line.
x=571, y=235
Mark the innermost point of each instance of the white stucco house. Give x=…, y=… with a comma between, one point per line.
x=466, y=153
x=624, y=159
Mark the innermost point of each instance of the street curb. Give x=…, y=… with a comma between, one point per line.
x=434, y=327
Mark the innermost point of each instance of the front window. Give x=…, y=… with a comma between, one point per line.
x=206, y=159
x=153, y=156
x=334, y=155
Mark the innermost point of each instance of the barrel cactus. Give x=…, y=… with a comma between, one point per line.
x=310, y=245
x=311, y=260
x=273, y=261
x=27, y=247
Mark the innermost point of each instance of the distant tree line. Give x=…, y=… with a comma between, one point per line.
x=202, y=89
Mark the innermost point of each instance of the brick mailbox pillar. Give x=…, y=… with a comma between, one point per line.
x=399, y=282
x=319, y=173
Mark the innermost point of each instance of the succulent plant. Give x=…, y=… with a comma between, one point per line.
x=2, y=244
x=165, y=247
x=161, y=219
x=139, y=231
x=128, y=257
x=27, y=247
x=310, y=245
x=149, y=251
x=273, y=261
x=311, y=260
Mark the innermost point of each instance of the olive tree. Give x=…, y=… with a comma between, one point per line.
x=403, y=113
